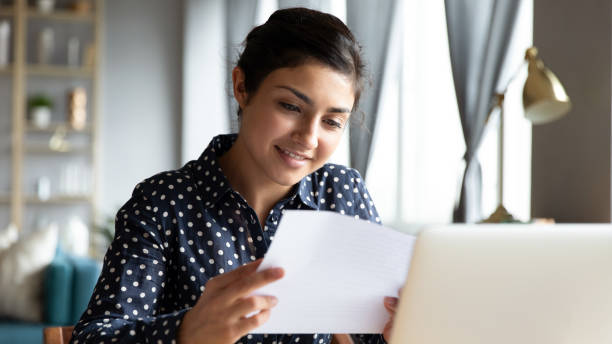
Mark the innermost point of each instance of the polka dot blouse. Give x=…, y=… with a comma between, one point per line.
x=184, y=227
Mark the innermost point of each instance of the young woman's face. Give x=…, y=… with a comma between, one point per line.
x=293, y=123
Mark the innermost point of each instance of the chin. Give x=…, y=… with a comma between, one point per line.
x=287, y=178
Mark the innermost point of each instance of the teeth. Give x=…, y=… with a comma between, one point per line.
x=294, y=156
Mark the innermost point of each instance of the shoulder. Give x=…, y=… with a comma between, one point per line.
x=334, y=173
x=164, y=182
x=342, y=189
x=165, y=191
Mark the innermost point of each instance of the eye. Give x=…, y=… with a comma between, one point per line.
x=333, y=123
x=289, y=107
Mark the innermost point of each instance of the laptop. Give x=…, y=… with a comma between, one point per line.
x=508, y=284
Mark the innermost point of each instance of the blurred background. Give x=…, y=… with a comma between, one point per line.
x=150, y=82
x=96, y=95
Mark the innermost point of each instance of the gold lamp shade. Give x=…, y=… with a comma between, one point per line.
x=544, y=97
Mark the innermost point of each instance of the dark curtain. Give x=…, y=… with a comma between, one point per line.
x=371, y=23
x=240, y=19
x=478, y=35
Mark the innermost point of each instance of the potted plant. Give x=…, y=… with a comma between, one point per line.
x=40, y=111
x=103, y=235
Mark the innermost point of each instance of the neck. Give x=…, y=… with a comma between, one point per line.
x=245, y=176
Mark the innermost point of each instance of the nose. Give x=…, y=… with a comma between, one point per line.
x=306, y=134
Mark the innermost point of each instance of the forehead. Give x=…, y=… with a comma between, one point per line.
x=315, y=80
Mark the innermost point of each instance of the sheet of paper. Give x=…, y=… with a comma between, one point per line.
x=338, y=269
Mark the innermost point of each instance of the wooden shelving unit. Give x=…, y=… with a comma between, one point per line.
x=6, y=11
x=59, y=126
x=63, y=15
x=59, y=71
x=7, y=70
x=60, y=200
x=22, y=146
x=45, y=150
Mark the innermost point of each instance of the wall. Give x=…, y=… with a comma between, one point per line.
x=571, y=157
x=141, y=95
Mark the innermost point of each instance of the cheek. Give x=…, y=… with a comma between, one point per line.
x=328, y=144
x=262, y=123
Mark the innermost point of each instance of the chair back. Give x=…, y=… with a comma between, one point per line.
x=57, y=334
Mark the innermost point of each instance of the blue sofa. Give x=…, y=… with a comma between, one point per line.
x=69, y=282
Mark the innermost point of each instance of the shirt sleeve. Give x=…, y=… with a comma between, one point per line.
x=363, y=205
x=128, y=303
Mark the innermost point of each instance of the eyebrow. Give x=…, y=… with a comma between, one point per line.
x=309, y=101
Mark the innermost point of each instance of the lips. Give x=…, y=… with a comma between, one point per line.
x=292, y=159
x=293, y=155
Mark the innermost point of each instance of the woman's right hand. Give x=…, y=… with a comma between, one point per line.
x=219, y=316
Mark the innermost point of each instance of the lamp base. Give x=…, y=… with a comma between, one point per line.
x=500, y=215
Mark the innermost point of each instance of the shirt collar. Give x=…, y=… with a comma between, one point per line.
x=208, y=171
x=212, y=180
x=305, y=188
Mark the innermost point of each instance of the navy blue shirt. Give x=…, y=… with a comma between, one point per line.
x=184, y=227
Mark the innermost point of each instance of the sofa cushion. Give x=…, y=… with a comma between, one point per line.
x=8, y=236
x=59, y=278
x=22, y=333
x=22, y=268
x=86, y=273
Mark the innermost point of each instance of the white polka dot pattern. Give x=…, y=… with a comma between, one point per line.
x=183, y=227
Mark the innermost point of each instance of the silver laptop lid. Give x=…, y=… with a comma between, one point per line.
x=508, y=284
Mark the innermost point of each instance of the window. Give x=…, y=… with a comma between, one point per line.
x=416, y=164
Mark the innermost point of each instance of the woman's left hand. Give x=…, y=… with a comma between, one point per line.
x=390, y=305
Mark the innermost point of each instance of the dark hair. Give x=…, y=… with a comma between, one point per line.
x=292, y=36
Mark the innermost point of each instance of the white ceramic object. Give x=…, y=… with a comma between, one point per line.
x=5, y=32
x=43, y=188
x=73, y=52
x=45, y=6
x=40, y=117
x=46, y=39
x=74, y=238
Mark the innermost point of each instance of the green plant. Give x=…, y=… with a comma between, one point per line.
x=106, y=228
x=40, y=100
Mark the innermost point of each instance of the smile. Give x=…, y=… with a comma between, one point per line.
x=292, y=155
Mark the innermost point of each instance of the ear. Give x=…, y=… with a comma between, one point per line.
x=240, y=93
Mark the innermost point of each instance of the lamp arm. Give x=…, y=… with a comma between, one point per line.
x=513, y=76
x=498, y=102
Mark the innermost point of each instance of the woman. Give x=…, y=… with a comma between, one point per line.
x=182, y=266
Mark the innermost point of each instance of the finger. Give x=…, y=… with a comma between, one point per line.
x=252, y=304
x=246, y=286
x=390, y=303
x=246, y=325
x=226, y=279
x=387, y=330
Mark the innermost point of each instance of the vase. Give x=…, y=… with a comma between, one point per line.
x=40, y=117
x=45, y=6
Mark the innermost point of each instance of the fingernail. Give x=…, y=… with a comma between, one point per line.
x=391, y=301
x=275, y=272
x=274, y=300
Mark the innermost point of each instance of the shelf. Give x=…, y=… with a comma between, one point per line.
x=65, y=15
x=6, y=70
x=59, y=71
x=6, y=11
x=59, y=200
x=45, y=150
x=52, y=128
